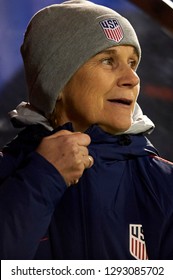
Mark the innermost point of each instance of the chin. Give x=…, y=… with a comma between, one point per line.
x=117, y=127
x=117, y=130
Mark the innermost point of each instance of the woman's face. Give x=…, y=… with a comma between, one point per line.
x=103, y=91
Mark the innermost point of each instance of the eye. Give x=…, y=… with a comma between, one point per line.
x=109, y=61
x=133, y=63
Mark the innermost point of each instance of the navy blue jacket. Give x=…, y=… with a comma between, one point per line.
x=122, y=207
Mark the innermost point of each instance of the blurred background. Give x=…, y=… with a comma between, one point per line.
x=155, y=70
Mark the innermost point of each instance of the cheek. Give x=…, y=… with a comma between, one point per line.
x=137, y=90
x=84, y=95
x=136, y=94
x=77, y=100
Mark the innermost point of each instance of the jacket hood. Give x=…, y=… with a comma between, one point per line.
x=25, y=115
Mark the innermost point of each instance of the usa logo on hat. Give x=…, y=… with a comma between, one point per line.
x=137, y=244
x=112, y=29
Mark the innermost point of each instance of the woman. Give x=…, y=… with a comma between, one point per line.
x=81, y=181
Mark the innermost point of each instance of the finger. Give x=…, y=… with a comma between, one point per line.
x=73, y=182
x=83, y=139
x=83, y=151
x=59, y=133
x=91, y=161
x=88, y=162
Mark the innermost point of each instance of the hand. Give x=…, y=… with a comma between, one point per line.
x=68, y=153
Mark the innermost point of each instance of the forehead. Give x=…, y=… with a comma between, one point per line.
x=116, y=49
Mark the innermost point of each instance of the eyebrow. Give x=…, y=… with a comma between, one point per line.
x=113, y=52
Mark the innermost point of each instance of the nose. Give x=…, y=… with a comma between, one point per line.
x=128, y=78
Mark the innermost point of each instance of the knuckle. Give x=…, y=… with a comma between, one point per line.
x=75, y=152
x=79, y=166
x=79, y=174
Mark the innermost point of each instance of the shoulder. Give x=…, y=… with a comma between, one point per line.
x=156, y=177
x=160, y=174
x=26, y=140
x=14, y=152
x=161, y=163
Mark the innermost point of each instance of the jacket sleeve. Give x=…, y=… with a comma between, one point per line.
x=28, y=197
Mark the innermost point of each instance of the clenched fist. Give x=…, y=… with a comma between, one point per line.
x=68, y=153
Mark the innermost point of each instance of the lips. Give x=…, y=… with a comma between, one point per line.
x=123, y=101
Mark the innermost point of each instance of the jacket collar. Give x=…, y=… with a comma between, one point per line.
x=113, y=147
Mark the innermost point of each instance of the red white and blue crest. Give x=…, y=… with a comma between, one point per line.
x=112, y=29
x=137, y=244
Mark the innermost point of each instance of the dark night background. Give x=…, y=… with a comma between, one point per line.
x=155, y=70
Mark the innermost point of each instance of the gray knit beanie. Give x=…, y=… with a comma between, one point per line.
x=62, y=37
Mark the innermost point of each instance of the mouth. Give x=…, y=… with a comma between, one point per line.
x=123, y=101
